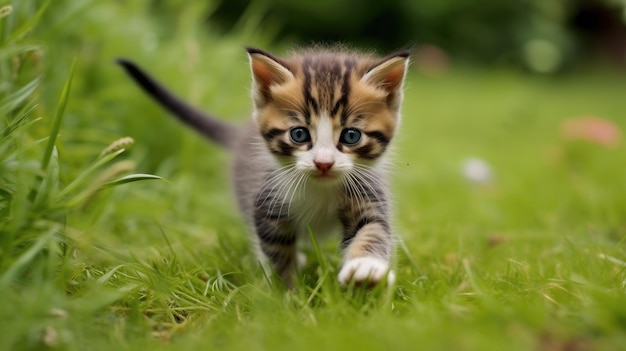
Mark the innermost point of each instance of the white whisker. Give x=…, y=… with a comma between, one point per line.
x=284, y=195
x=354, y=190
x=274, y=180
x=278, y=195
x=370, y=180
x=302, y=176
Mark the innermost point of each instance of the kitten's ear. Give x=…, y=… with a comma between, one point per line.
x=388, y=74
x=267, y=70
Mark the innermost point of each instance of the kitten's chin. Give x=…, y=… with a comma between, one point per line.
x=329, y=178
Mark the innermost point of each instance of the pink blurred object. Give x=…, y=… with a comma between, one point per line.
x=595, y=130
x=431, y=60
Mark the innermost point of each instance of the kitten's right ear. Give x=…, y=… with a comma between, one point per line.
x=267, y=70
x=389, y=73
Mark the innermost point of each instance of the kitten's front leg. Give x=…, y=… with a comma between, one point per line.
x=277, y=243
x=367, y=245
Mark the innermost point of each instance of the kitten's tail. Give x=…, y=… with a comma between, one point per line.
x=220, y=132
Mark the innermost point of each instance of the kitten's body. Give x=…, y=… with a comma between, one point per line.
x=311, y=206
x=313, y=158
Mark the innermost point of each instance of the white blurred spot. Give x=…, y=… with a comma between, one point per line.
x=476, y=170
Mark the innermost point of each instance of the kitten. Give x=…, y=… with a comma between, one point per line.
x=313, y=156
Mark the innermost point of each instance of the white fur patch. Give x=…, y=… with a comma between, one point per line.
x=324, y=150
x=369, y=270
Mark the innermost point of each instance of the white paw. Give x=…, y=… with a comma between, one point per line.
x=368, y=270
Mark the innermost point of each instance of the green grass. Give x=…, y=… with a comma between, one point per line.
x=533, y=260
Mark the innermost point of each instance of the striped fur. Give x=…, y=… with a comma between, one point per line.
x=313, y=158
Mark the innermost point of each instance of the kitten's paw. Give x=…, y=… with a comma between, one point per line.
x=366, y=270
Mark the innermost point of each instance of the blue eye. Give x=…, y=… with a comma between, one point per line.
x=299, y=135
x=350, y=136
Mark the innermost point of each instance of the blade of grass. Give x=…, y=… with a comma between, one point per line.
x=20, y=122
x=318, y=252
x=12, y=101
x=408, y=255
x=167, y=241
x=27, y=256
x=58, y=117
x=103, y=279
x=49, y=182
x=132, y=178
x=18, y=33
x=17, y=49
x=78, y=181
x=325, y=267
x=96, y=185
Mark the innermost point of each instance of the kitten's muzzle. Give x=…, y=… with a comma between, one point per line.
x=325, y=171
x=324, y=167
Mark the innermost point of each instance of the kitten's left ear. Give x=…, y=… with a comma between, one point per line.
x=389, y=73
x=267, y=70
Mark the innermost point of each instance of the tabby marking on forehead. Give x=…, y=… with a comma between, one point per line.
x=327, y=83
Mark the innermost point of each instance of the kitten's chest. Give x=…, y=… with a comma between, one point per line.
x=317, y=208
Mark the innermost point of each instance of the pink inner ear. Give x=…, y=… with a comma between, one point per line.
x=394, y=78
x=262, y=73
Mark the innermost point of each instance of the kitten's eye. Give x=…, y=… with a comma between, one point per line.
x=350, y=136
x=299, y=135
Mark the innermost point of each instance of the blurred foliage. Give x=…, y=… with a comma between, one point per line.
x=542, y=35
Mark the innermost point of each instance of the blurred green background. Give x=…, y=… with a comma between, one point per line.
x=186, y=39
x=541, y=35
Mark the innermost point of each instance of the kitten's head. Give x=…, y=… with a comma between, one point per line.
x=327, y=112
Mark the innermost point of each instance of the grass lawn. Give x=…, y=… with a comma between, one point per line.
x=532, y=259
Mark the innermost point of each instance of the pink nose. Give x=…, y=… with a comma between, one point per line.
x=324, y=166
